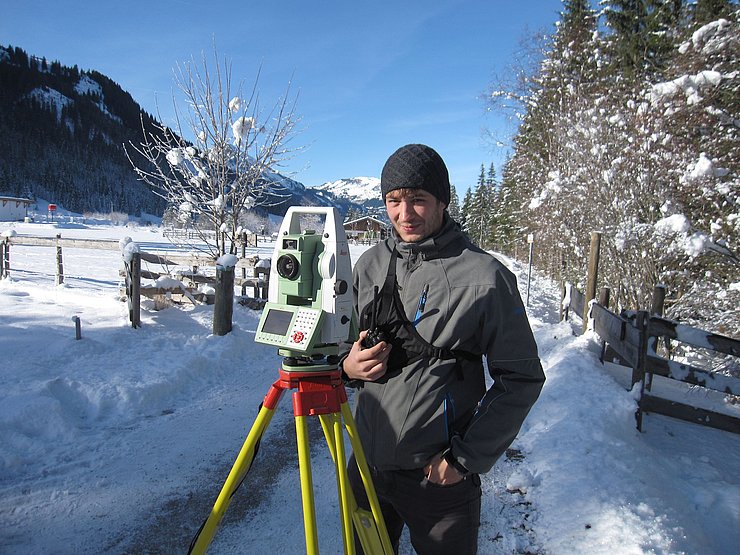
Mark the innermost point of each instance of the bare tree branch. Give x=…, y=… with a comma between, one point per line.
x=231, y=165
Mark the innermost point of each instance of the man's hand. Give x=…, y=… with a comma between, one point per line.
x=440, y=472
x=366, y=364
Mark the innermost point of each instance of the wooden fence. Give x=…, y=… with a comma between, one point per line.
x=183, y=286
x=57, y=242
x=165, y=293
x=631, y=338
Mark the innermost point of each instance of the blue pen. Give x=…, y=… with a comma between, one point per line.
x=422, y=304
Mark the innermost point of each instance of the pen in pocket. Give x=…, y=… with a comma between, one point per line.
x=422, y=304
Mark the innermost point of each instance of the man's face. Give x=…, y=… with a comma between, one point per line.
x=414, y=213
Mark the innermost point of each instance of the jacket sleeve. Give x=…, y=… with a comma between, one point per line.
x=354, y=332
x=514, y=365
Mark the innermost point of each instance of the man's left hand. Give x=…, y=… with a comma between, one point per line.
x=440, y=472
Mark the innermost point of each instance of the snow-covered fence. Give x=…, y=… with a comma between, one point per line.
x=187, y=235
x=58, y=242
x=172, y=284
x=630, y=339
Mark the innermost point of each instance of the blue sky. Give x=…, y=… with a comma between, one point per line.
x=370, y=76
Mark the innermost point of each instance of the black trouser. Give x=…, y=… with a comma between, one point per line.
x=441, y=519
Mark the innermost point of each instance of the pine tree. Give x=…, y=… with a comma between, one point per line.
x=466, y=211
x=453, y=209
x=706, y=11
x=642, y=34
x=491, y=177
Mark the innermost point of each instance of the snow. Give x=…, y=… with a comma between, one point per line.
x=235, y=104
x=708, y=38
x=51, y=98
x=675, y=223
x=175, y=157
x=704, y=168
x=120, y=442
x=241, y=128
x=357, y=189
x=689, y=85
x=227, y=261
x=87, y=85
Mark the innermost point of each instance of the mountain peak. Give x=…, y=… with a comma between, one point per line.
x=355, y=189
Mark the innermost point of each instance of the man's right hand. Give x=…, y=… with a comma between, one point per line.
x=366, y=364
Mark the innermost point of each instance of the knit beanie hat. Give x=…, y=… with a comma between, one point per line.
x=416, y=167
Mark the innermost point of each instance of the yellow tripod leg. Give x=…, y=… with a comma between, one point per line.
x=349, y=423
x=332, y=426
x=241, y=466
x=304, y=464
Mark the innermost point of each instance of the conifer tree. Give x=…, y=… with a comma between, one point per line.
x=642, y=32
x=453, y=209
x=706, y=11
x=466, y=211
x=491, y=177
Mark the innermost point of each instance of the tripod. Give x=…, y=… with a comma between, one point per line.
x=320, y=392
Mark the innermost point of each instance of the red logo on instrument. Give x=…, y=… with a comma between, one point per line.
x=298, y=337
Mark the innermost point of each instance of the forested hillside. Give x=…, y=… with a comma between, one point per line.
x=629, y=125
x=61, y=137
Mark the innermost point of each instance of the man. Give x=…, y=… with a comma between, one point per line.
x=430, y=306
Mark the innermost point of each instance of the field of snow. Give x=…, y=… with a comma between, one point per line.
x=120, y=442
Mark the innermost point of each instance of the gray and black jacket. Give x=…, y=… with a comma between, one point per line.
x=426, y=404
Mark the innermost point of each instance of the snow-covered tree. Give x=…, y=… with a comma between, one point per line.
x=645, y=151
x=231, y=163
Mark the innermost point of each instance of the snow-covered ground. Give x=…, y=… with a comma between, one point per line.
x=120, y=442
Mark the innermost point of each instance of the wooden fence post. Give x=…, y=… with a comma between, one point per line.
x=642, y=321
x=657, y=308
x=5, y=258
x=593, y=272
x=78, y=327
x=658, y=300
x=60, y=263
x=563, y=307
x=244, y=252
x=133, y=289
x=223, y=308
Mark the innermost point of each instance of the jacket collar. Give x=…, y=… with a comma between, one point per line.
x=432, y=246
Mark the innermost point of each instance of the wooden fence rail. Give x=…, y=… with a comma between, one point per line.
x=632, y=336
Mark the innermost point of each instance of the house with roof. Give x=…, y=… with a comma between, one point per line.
x=366, y=229
x=13, y=209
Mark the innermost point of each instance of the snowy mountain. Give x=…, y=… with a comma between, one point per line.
x=363, y=193
x=355, y=189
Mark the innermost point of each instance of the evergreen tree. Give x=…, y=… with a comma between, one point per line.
x=706, y=11
x=491, y=177
x=507, y=208
x=642, y=32
x=466, y=211
x=453, y=209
